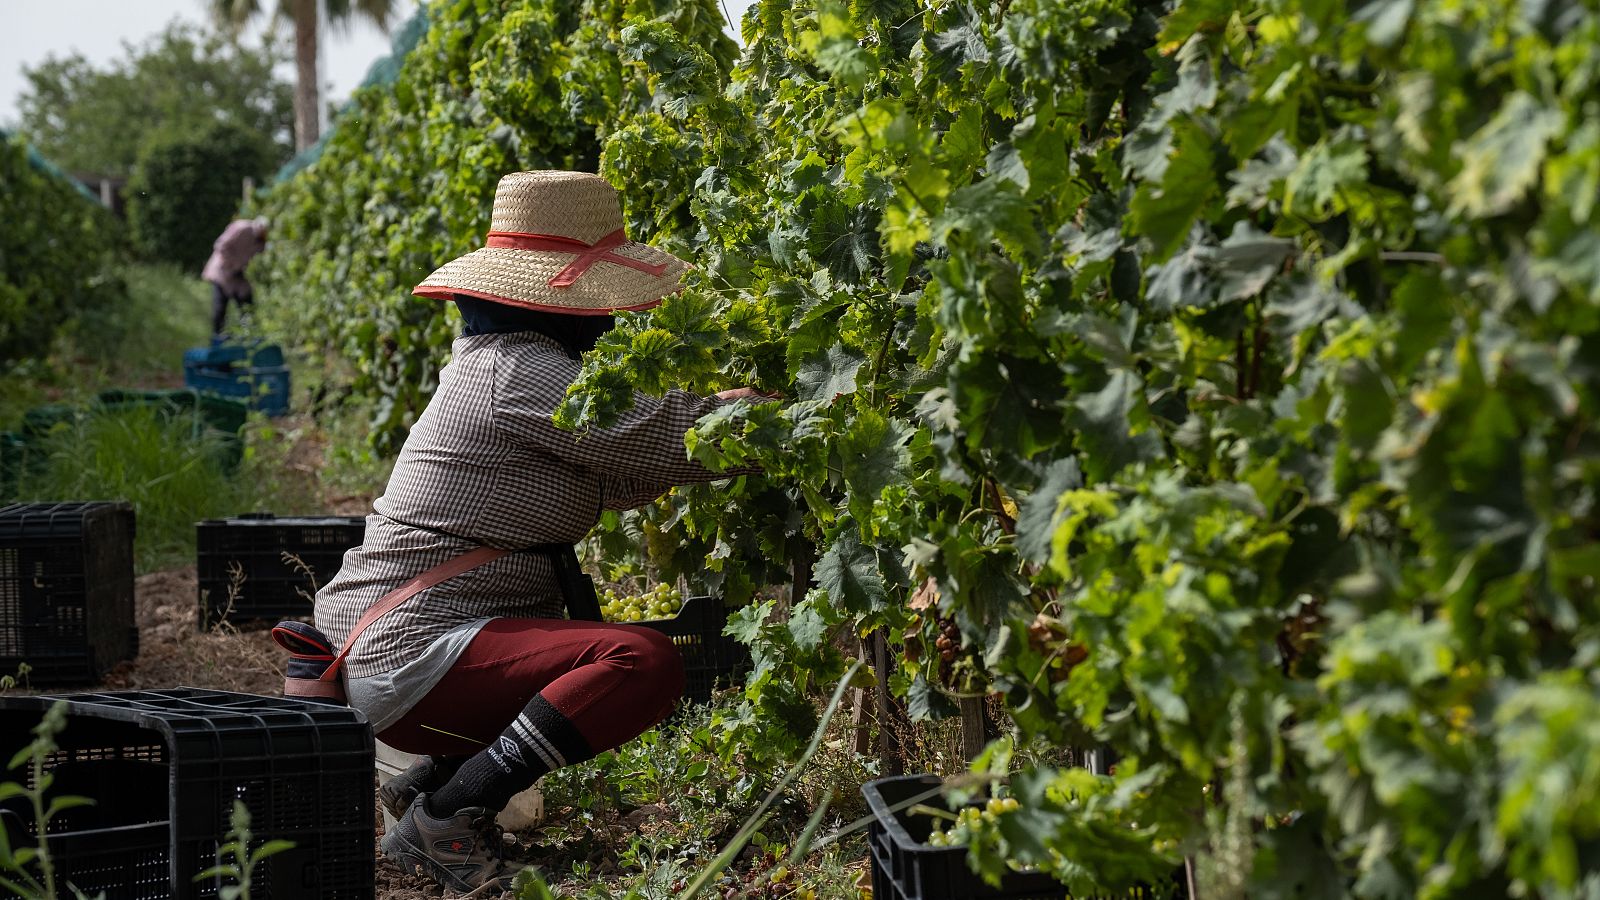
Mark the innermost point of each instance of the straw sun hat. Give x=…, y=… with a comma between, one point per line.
x=556, y=243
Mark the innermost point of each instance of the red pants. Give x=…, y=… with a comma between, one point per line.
x=613, y=682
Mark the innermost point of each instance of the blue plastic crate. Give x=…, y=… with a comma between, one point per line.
x=252, y=372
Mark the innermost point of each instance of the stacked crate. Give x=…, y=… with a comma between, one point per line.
x=253, y=372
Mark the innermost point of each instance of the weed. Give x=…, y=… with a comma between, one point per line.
x=667, y=810
x=235, y=859
x=18, y=865
x=294, y=562
x=171, y=476
x=8, y=682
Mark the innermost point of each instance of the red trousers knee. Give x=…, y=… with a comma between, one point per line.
x=613, y=682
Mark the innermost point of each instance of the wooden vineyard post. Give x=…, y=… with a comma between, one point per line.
x=800, y=569
x=890, y=753
x=974, y=727
x=861, y=708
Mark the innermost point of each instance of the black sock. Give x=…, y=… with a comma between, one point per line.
x=538, y=740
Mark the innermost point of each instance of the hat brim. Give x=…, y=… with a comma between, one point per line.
x=522, y=278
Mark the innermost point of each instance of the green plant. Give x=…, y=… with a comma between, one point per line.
x=165, y=462
x=18, y=864
x=185, y=190
x=722, y=828
x=59, y=255
x=8, y=682
x=236, y=859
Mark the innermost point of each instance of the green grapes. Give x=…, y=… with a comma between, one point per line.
x=659, y=602
x=969, y=820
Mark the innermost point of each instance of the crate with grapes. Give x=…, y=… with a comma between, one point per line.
x=659, y=602
x=711, y=659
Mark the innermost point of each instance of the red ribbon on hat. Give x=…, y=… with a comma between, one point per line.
x=588, y=254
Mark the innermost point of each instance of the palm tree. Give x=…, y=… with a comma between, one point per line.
x=233, y=15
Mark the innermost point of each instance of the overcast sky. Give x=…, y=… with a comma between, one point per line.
x=33, y=30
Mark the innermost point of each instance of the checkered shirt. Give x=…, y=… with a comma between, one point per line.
x=485, y=465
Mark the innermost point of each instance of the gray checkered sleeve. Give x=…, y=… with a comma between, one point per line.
x=645, y=444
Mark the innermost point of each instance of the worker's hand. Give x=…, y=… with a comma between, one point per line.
x=746, y=393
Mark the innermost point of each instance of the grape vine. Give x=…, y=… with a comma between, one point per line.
x=1229, y=370
x=1223, y=372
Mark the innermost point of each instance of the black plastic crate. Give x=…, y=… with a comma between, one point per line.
x=710, y=658
x=66, y=590
x=272, y=556
x=165, y=767
x=906, y=867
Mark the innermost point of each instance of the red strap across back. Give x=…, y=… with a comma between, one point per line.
x=442, y=572
x=588, y=254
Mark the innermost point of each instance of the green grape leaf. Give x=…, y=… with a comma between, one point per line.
x=808, y=626
x=925, y=703
x=1164, y=212
x=1386, y=20
x=1182, y=281
x=848, y=571
x=839, y=53
x=873, y=453
x=1247, y=260
x=992, y=209
x=825, y=376
x=1037, y=512
x=1331, y=167
x=1502, y=159
x=1105, y=427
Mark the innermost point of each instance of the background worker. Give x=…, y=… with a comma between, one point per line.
x=239, y=243
x=480, y=673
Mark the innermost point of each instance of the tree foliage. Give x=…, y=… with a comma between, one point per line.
x=1225, y=371
x=58, y=254
x=97, y=121
x=186, y=188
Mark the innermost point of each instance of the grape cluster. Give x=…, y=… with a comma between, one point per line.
x=949, y=646
x=970, y=820
x=949, y=642
x=659, y=602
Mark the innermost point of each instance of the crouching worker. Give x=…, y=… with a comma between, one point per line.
x=477, y=670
